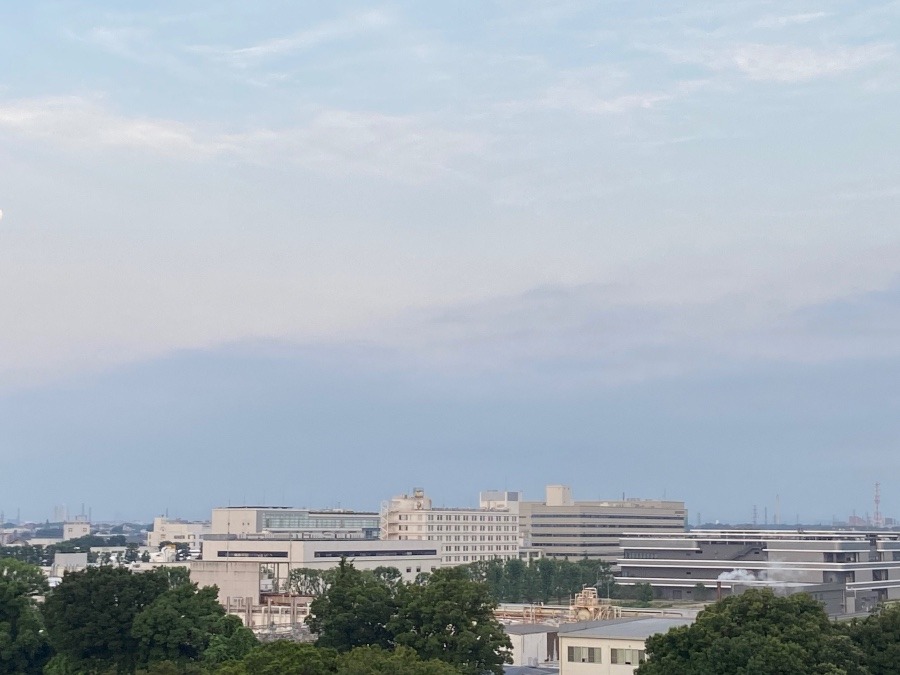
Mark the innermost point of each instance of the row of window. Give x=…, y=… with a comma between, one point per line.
x=465, y=528
x=613, y=516
x=465, y=558
x=482, y=548
x=460, y=518
x=627, y=657
x=466, y=537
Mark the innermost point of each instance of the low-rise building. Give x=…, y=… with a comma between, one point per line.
x=612, y=647
x=249, y=566
x=533, y=644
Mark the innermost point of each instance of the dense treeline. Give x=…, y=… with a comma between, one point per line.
x=107, y=620
x=550, y=580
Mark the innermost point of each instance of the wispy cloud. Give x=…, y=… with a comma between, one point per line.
x=316, y=36
x=400, y=147
x=784, y=63
x=783, y=21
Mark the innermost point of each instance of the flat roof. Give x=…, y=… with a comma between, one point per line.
x=529, y=628
x=638, y=628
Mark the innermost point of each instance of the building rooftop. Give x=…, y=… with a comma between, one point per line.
x=529, y=628
x=637, y=628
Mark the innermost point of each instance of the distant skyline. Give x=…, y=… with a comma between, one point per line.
x=327, y=252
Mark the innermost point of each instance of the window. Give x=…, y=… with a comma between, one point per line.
x=628, y=657
x=584, y=655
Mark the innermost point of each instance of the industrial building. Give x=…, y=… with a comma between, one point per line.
x=680, y=566
x=561, y=527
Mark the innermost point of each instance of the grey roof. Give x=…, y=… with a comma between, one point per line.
x=529, y=670
x=638, y=628
x=529, y=628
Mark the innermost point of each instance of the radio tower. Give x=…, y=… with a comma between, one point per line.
x=877, y=518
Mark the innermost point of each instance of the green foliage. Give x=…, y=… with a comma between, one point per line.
x=878, y=636
x=290, y=658
x=701, y=592
x=23, y=647
x=230, y=641
x=545, y=580
x=401, y=661
x=451, y=618
x=756, y=632
x=177, y=625
x=89, y=616
x=354, y=611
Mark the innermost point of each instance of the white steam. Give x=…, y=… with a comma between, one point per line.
x=737, y=575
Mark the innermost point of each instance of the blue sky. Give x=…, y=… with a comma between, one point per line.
x=633, y=247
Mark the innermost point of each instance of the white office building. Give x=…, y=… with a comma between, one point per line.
x=462, y=535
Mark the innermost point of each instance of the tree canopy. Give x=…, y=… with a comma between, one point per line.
x=545, y=580
x=756, y=632
x=108, y=618
x=23, y=646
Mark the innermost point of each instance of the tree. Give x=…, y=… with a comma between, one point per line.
x=178, y=625
x=401, y=661
x=756, y=632
x=701, y=592
x=451, y=618
x=290, y=658
x=23, y=647
x=89, y=616
x=230, y=642
x=354, y=611
x=879, y=638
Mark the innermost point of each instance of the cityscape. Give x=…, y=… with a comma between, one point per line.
x=384, y=337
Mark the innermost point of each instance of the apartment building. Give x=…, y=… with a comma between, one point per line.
x=462, y=535
x=561, y=527
x=676, y=564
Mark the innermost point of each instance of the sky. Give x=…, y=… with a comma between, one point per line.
x=319, y=253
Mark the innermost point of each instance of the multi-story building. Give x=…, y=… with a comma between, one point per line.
x=462, y=535
x=177, y=531
x=564, y=528
x=284, y=520
x=683, y=565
